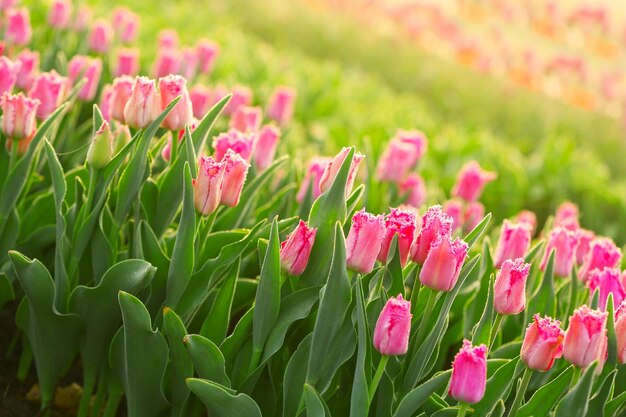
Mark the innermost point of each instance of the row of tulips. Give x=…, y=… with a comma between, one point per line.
x=155, y=262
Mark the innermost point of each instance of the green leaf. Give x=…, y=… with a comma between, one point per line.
x=267, y=300
x=54, y=337
x=203, y=129
x=482, y=332
x=575, y=403
x=151, y=251
x=498, y=387
x=232, y=344
x=216, y=323
x=472, y=237
x=613, y=406
x=534, y=251
x=222, y=402
x=602, y=396
x=6, y=290
x=180, y=367
x=413, y=400
x=359, y=400
x=295, y=376
x=544, y=399
x=182, y=262
x=393, y=269
x=611, y=360
x=315, y=406
x=142, y=360
x=207, y=358
x=544, y=300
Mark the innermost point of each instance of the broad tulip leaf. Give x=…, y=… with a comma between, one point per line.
x=612, y=407
x=472, y=237
x=414, y=399
x=576, y=402
x=6, y=290
x=543, y=300
x=295, y=376
x=223, y=402
x=232, y=344
x=359, y=400
x=602, y=396
x=498, y=387
x=203, y=129
x=180, y=366
x=546, y=397
x=482, y=332
x=315, y=405
x=206, y=358
x=216, y=323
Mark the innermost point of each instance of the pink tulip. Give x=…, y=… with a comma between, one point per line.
x=469, y=374
x=585, y=337
x=7, y=4
x=393, y=327
x=171, y=87
x=106, y=102
x=401, y=223
x=241, y=96
x=401, y=155
x=235, y=140
x=126, y=24
x=620, y=332
x=314, y=173
x=585, y=237
x=167, y=63
x=18, y=115
x=29, y=68
x=86, y=68
x=563, y=242
x=333, y=167
x=235, y=172
x=8, y=74
x=527, y=216
x=443, y=263
x=543, y=343
x=364, y=241
x=455, y=209
x=60, y=14
x=265, y=146
x=207, y=52
x=435, y=223
x=121, y=92
x=606, y=281
x=513, y=243
x=295, y=251
x=49, y=88
x=567, y=216
x=510, y=287
x=207, y=187
x=101, y=37
x=603, y=253
x=189, y=63
x=414, y=188
x=168, y=38
x=82, y=18
x=474, y=213
x=17, y=30
x=127, y=62
x=201, y=98
x=144, y=104
x=281, y=105
x=246, y=119
x=471, y=181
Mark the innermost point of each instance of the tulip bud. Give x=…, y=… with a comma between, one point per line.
x=101, y=148
x=168, y=38
x=235, y=172
x=607, y=281
x=167, y=63
x=8, y=74
x=543, y=343
x=620, y=332
x=454, y=208
x=474, y=213
x=443, y=263
x=510, y=287
x=207, y=188
x=49, y=88
x=471, y=181
x=241, y=96
x=567, y=216
x=189, y=63
x=201, y=100
x=207, y=52
x=82, y=18
x=333, y=167
x=603, y=253
x=127, y=62
x=393, y=327
x=402, y=223
x=121, y=137
x=29, y=66
x=513, y=243
x=144, y=105
x=101, y=37
x=106, y=102
x=295, y=251
x=434, y=224
x=563, y=242
x=171, y=87
x=281, y=105
x=314, y=173
x=60, y=14
x=364, y=241
x=89, y=69
x=235, y=140
x=126, y=25
x=401, y=155
x=585, y=337
x=121, y=92
x=246, y=119
x=414, y=188
x=527, y=216
x=469, y=374
x=17, y=30
x=265, y=146
x=18, y=115
x=585, y=237
x=7, y=4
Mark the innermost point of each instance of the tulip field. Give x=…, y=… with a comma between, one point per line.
x=246, y=209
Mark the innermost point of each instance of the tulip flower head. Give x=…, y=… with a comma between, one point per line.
x=17, y=28
x=235, y=172
x=8, y=74
x=443, y=263
x=144, y=104
x=567, y=216
x=60, y=14
x=333, y=167
x=171, y=87
x=281, y=105
x=265, y=146
x=585, y=237
x=603, y=253
x=455, y=209
x=402, y=223
x=514, y=242
x=106, y=102
x=295, y=251
x=314, y=173
x=510, y=287
x=606, y=281
x=29, y=67
x=126, y=25
x=168, y=38
x=474, y=213
x=86, y=68
x=414, y=188
x=168, y=62
x=246, y=119
x=82, y=18
x=435, y=223
x=18, y=115
x=543, y=343
x=127, y=62
x=120, y=94
x=101, y=37
x=239, y=142
x=364, y=241
x=563, y=242
x=527, y=216
x=49, y=88
x=471, y=181
x=207, y=52
x=585, y=338
x=401, y=155
x=241, y=96
x=620, y=332
x=393, y=327
x=469, y=373
x=201, y=99
x=207, y=187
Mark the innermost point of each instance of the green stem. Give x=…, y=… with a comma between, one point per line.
x=100, y=393
x=417, y=284
x=521, y=390
x=462, y=410
x=377, y=376
x=174, y=147
x=83, y=407
x=575, y=376
x=112, y=405
x=432, y=295
x=495, y=329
